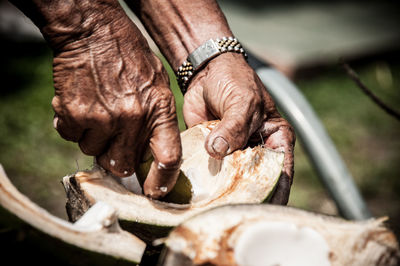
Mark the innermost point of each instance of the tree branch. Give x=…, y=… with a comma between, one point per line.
x=353, y=75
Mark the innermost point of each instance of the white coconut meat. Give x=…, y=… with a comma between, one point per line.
x=305, y=245
x=245, y=176
x=253, y=235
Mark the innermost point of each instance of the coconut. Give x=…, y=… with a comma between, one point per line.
x=245, y=176
x=95, y=238
x=262, y=235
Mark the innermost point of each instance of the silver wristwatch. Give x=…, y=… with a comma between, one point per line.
x=203, y=54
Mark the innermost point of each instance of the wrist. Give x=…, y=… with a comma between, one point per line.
x=190, y=41
x=179, y=27
x=204, y=54
x=226, y=59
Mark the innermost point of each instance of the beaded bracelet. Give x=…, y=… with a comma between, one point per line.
x=203, y=54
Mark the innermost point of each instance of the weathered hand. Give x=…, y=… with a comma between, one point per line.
x=229, y=90
x=112, y=96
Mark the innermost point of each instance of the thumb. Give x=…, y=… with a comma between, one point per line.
x=232, y=133
x=165, y=145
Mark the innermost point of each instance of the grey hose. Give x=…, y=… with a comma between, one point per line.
x=318, y=145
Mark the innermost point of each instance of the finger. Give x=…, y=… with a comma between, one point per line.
x=267, y=129
x=195, y=109
x=94, y=141
x=282, y=190
x=165, y=144
x=233, y=132
x=283, y=140
x=120, y=158
x=67, y=129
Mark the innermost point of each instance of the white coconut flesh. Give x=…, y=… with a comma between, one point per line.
x=262, y=234
x=246, y=176
x=269, y=243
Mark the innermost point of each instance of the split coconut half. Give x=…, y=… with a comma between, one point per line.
x=245, y=176
x=96, y=238
x=267, y=235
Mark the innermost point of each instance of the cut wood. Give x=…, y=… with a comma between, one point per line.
x=261, y=234
x=246, y=176
x=95, y=238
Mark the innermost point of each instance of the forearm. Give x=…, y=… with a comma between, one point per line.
x=179, y=27
x=62, y=22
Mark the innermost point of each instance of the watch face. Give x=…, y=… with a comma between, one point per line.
x=204, y=53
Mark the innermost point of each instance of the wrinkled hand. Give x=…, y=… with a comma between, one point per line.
x=229, y=90
x=113, y=98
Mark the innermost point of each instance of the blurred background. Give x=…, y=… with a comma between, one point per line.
x=303, y=39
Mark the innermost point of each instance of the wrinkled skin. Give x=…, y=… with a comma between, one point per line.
x=112, y=96
x=228, y=89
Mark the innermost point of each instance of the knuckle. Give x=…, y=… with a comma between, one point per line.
x=55, y=103
x=129, y=110
x=65, y=134
x=86, y=149
x=130, y=116
x=164, y=98
x=99, y=117
x=254, y=99
x=257, y=101
x=169, y=160
x=163, y=103
x=290, y=130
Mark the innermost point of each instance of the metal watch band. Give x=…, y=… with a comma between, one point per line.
x=204, y=53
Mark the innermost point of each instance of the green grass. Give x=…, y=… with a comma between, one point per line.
x=36, y=157
x=177, y=93
x=33, y=154
x=366, y=137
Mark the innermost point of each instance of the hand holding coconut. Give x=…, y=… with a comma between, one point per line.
x=228, y=89
x=112, y=93
x=225, y=88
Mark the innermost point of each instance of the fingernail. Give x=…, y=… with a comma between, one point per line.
x=220, y=146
